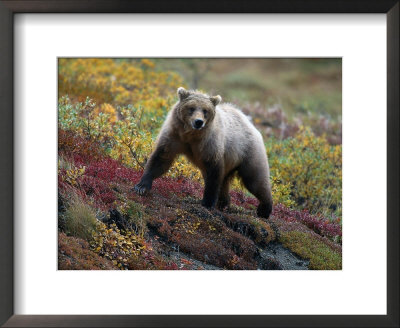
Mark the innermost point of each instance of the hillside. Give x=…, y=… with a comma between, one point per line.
x=169, y=229
x=109, y=114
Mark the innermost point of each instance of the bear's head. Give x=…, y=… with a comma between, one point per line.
x=196, y=110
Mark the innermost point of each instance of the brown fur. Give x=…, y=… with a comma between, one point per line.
x=227, y=142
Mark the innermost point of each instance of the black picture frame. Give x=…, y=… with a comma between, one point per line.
x=7, y=11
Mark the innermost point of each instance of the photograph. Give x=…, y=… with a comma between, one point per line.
x=217, y=164
x=199, y=163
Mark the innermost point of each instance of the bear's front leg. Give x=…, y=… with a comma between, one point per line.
x=212, y=180
x=158, y=163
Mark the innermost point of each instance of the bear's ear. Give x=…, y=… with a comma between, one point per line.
x=216, y=100
x=183, y=93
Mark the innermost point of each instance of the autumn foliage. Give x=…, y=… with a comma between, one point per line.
x=110, y=111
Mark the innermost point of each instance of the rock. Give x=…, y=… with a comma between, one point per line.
x=276, y=257
x=116, y=217
x=269, y=263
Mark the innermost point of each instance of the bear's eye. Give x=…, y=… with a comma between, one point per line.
x=204, y=112
x=191, y=110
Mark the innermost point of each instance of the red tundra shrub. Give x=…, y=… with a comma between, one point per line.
x=320, y=225
x=70, y=143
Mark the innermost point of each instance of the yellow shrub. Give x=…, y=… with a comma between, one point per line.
x=119, y=82
x=115, y=244
x=107, y=109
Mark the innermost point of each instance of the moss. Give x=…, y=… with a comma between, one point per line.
x=264, y=234
x=321, y=256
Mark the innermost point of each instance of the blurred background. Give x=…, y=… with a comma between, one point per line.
x=279, y=93
x=297, y=84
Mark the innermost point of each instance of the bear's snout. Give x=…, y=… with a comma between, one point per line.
x=198, y=123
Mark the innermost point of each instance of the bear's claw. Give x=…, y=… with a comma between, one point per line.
x=140, y=189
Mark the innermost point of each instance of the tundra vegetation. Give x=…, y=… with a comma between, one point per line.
x=109, y=114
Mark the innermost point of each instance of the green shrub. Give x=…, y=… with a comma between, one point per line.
x=312, y=168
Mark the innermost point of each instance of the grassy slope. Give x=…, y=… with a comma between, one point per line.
x=171, y=230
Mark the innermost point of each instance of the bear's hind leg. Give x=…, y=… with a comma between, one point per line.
x=224, y=199
x=256, y=181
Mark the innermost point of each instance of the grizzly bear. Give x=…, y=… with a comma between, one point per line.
x=220, y=140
